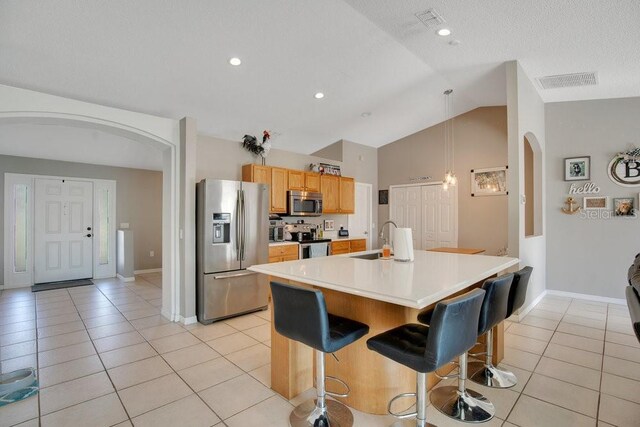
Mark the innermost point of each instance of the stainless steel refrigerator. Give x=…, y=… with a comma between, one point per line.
x=232, y=226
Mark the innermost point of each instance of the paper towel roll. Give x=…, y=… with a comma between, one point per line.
x=403, y=244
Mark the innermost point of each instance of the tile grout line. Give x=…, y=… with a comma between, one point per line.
x=533, y=371
x=100, y=358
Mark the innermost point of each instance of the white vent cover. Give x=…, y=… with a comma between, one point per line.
x=568, y=80
x=430, y=18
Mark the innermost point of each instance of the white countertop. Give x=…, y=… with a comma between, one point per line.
x=288, y=242
x=432, y=277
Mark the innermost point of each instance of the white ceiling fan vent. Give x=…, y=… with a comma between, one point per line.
x=568, y=80
x=430, y=18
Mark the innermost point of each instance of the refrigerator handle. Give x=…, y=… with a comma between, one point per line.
x=244, y=227
x=237, y=220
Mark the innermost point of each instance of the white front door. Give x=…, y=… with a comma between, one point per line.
x=360, y=221
x=63, y=242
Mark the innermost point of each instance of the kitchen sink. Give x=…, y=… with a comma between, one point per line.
x=373, y=256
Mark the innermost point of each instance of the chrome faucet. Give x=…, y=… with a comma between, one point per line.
x=381, y=236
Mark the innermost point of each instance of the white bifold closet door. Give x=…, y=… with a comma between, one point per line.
x=63, y=230
x=429, y=211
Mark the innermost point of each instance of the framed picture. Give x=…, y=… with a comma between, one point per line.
x=595, y=203
x=489, y=181
x=383, y=197
x=623, y=206
x=329, y=225
x=577, y=168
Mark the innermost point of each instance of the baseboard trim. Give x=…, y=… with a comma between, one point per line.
x=188, y=321
x=587, y=297
x=125, y=279
x=530, y=307
x=148, y=270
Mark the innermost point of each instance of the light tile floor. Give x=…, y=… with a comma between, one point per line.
x=106, y=357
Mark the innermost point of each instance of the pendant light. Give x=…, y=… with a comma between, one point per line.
x=450, y=179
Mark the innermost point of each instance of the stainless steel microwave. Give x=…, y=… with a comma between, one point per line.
x=304, y=203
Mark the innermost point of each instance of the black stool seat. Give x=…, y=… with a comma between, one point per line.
x=633, y=295
x=342, y=332
x=518, y=292
x=405, y=344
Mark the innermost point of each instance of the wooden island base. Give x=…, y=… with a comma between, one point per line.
x=374, y=380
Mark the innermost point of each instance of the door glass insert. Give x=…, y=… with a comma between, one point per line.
x=104, y=202
x=20, y=232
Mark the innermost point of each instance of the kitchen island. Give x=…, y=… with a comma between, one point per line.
x=383, y=294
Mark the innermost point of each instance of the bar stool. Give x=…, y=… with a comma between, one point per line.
x=458, y=402
x=453, y=331
x=485, y=373
x=301, y=314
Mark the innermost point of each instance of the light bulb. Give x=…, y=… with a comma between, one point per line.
x=454, y=180
x=445, y=185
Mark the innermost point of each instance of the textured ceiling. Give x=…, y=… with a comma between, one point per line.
x=169, y=58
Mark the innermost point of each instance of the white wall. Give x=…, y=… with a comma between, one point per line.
x=590, y=256
x=525, y=116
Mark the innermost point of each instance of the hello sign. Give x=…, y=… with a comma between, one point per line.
x=624, y=168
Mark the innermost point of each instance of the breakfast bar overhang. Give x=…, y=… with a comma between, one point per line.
x=383, y=294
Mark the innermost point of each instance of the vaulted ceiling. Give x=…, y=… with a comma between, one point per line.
x=170, y=58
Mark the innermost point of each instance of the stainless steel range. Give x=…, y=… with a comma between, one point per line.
x=310, y=245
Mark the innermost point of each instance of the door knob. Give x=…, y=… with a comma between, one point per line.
x=88, y=235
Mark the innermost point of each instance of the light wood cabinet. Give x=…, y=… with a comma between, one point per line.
x=296, y=180
x=338, y=194
x=304, y=181
x=330, y=189
x=256, y=173
x=278, y=190
x=357, y=245
x=283, y=253
x=347, y=195
x=312, y=182
x=340, y=247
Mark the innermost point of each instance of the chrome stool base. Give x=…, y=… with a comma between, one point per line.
x=491, y=376
x=468, y=406
x=410, y=423
x=308, y=414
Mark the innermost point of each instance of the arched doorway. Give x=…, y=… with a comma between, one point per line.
x=532, y=186
x=19, y=105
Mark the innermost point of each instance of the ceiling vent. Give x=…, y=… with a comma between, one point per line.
x=568, y=80
x=430, y=18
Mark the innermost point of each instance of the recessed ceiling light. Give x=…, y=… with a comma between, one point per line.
x=443, y=32
x=235, y=61
x=319, y=95
x=366, y=114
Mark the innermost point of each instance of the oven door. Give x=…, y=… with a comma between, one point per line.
x=314, y=250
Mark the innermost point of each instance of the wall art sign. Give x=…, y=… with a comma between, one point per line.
x=623, y=206
x=624, y=168
x=586, y=188
x=595, y=203
x=489, y=181
x=577, y=168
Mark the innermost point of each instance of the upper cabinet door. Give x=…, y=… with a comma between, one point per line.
x=296, y=180
x=347, y=195
x=330, y=189
x=312, y=182
x=256, y=173
x=278, y=190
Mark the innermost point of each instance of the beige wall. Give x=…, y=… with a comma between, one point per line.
x=589, y=255
x=138, y=192
x=480, y=142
